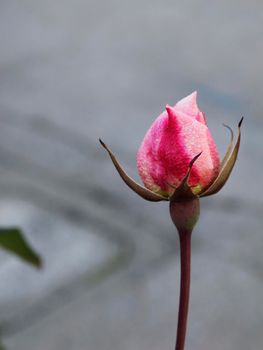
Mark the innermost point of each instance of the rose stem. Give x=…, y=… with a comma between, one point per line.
x=185, y=252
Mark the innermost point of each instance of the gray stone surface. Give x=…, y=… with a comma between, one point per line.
x=66, y=258
x=72, y=72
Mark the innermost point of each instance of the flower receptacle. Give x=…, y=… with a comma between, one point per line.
x=185, y=214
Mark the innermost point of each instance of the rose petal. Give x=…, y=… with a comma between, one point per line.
x=168, y=147
x=188, y=105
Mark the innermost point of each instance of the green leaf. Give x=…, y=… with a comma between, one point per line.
x=2, y=347
x=12, y=240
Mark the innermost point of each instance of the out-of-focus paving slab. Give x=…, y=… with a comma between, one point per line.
x=71, y=253
x=71, y=73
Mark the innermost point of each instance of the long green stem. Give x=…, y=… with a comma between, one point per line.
x=185, y=252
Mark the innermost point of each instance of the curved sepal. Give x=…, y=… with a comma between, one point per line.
x=230, y=146
x=140, y=190
x=183, y=192
x=226, y=168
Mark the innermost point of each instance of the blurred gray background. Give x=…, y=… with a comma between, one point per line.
x=74, y=71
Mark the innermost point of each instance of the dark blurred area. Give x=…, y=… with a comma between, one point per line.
x=74, y=71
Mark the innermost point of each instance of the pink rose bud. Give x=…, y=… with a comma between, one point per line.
x=173, y=140
x=178, y=159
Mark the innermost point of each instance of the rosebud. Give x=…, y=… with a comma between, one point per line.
x=173, y=140
x=178, y=159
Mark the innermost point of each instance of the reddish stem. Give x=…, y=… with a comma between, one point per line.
x=185, y=251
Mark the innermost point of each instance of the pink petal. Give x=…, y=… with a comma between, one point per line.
x=188, y=105
x=168, y=147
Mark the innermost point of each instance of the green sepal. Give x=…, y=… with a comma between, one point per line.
x=184, y=192
x=226, y=169
x=140, y=190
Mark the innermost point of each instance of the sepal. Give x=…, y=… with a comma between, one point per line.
x=227, y=166
x=230, y=146
x=140, y=190
x=183, y=192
